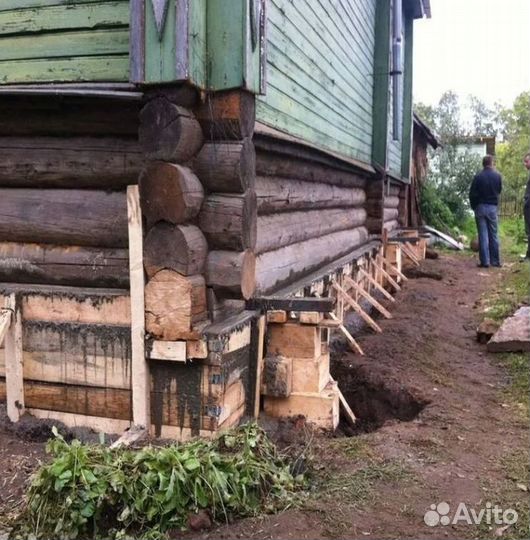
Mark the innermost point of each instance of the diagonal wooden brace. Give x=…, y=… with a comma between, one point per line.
x=356, y=307
x=392, y=268
x=387, y=276
x=380, y=288
x=353, y=344
x=368, y=297
x=407, y=249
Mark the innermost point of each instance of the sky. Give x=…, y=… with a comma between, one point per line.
x=479, y=47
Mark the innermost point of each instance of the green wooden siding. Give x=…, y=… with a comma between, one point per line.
x=407, y=98
x=381, y=103
x=64, y=41
x=320, y=70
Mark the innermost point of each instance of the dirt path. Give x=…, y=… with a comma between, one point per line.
x=468, y=444
x=437, y=425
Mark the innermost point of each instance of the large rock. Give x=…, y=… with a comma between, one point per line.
x=514, y=333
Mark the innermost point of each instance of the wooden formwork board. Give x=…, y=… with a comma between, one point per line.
x=172, y=405
x=296, y=340
x=320, y=409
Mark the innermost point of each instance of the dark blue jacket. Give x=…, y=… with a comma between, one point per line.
x=485, y=188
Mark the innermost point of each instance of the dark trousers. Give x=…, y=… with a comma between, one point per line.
x=488, y=240
x=527, y=225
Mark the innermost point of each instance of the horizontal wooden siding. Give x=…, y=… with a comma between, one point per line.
x=320, y=62
x=64, y=41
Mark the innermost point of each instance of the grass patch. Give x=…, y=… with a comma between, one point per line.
x=518, y=368
x=354, y=448
x=510, y=493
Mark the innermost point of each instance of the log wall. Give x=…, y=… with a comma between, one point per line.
x=65, y=165
x=309, y=213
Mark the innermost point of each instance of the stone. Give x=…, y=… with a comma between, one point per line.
x=514, y=333
x=486, y=329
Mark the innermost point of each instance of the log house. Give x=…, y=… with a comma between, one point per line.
x=165, y=163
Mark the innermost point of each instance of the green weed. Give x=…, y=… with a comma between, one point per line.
x=95, y=492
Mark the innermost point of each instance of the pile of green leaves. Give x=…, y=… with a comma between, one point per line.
x=92, y=491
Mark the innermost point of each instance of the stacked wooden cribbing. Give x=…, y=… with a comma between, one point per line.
x=171, y=196
x=382, y=206
x=296, y=377
x=309, y=213
x=63, y=213
x=226, y=168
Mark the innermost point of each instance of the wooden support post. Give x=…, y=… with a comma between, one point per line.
x=356, y=307
x=386, y=275
x=381, y=289
x=141, y=384
x=392, y=268
x=14, y=362
x=259, y=363
x=368, y=297
x=353, y=344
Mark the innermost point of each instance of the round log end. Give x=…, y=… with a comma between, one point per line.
x=248, y=274
x=169, y=132
x=169, y=192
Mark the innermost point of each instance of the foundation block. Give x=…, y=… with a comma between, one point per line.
x=320, y=409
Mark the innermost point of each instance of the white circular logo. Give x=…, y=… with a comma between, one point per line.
x=437, y=515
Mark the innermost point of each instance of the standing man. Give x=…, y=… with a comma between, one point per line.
x=484, y=198
x=527, y=207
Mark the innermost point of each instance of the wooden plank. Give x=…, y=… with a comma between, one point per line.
x=351, y=340
x=368, y=297
x=276, y=316
x=73, y=69
x=348, y=413
x=76, y=354
x=261, y=326
x=60, y=44
x=139, y=367
x=65, y=17
x=8, y=5
x=320, y=305
x=377, y=285
x=356, y=307
x=71, y=304
x=14, y=363
x=173, y=351
x=381, y=83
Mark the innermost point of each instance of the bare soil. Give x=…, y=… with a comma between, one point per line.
x=435, y=424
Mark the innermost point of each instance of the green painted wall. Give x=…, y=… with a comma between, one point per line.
x=320, y=69
x=64, y=41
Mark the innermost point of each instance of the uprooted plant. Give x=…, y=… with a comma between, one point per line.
x=92, y=491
